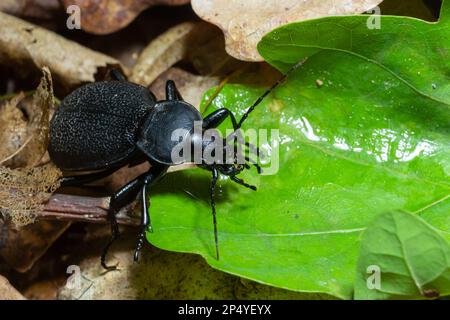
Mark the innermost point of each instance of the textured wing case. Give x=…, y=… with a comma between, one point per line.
x=96, y=125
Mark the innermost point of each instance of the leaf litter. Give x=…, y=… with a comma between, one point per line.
x=25, y=188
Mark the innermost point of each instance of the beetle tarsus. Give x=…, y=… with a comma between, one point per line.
x=242, y=183
x=215, y=176
x=139, y=245
x=115, y=234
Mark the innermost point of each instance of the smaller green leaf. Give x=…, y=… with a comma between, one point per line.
x=412, y=258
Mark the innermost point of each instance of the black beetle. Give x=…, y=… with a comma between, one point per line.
x=106, y=125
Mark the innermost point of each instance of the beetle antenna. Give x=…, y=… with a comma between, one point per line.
x=268, y=91
x=242, y=183
x=254, y=163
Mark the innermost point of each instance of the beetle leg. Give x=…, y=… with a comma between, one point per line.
x=115, y=74
x=145, y=222
x=215, y=176
x=150, y=178
x=242, y=183
x=120, y=199
x=172, y=92
x=217, y=117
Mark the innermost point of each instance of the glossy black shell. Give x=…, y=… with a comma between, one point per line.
x=97, y=125
x=156, y=138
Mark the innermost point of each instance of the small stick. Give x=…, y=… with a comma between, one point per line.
x=81, y=208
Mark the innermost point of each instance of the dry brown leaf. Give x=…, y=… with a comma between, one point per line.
x=8, y=292
x=42, y=290
x=245, y=22
x=23, y=192
x=43, y=9
x=22, y=247
x=108, y=16
x=38, y=128
x=207, y=52
x=14, y=131
x=163, y=52
x=191, y=87
x=199, y=43
x=26, y=44
x=25, y=142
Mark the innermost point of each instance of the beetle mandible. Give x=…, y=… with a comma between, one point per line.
x=103, y=126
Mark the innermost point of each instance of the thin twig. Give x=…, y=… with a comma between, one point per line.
x=83, y=209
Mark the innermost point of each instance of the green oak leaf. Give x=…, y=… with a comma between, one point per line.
x=414, y=51
x=406, y=258
x=356, y=139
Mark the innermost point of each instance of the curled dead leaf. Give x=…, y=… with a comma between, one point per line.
x=14, y=131
x=207, y=52
x=245, y=22
x=25, y=142
x=199, y=43
x=191, y=87
x=163, y=52
x=108, y=16
x=39, y=116
x=25, y=44
x=22, y=247
x=43, y=9
x=23, y=191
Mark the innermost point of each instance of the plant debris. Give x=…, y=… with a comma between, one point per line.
x=24, y=190
x=108, y=16
x=27, y=46
x=8, y=292
x=43, y=9
x=245, y=22
x=162, y=53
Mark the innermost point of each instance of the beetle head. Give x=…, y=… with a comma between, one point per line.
x=228, y=156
